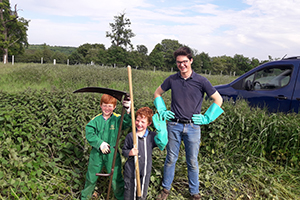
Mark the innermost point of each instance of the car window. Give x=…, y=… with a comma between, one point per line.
x=271, y=78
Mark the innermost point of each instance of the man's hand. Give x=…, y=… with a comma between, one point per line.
x=164, y=114
x=199, y=119
x=105, y=148
x=212, y=113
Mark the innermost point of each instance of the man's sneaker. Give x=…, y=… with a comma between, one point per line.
x=196, y=197
x=163, y=194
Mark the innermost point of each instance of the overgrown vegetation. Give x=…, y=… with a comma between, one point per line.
x=245, y=154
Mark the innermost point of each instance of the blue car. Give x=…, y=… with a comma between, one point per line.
x=275, y=85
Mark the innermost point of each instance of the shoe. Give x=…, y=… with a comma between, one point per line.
x=163, y=194
x=196, y=197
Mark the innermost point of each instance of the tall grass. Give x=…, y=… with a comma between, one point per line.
x=15, y=78
x=245, y=154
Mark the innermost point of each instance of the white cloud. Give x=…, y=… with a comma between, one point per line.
x=265, y=27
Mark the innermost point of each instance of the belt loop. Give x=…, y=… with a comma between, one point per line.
x=177, y=120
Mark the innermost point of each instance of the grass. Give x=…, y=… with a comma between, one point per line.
x=71, y=77
x=245, y=154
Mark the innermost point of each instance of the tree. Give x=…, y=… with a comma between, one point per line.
x=88, y=53
x=168, y=48
x=13, y=31
x=142, y=49
x=243, y=64
x=76, y=58
x=156, y=57
x=142, y=55
x=120, y=35
x=117, y=56
x=162, y=56
x=205, y=61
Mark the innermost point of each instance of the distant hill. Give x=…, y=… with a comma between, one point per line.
x=61, y=49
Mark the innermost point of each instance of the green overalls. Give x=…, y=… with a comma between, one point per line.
x=97, y=131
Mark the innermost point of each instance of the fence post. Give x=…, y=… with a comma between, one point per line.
x=4, y=61
x=54, y=61
x=154, y=69
x=13, y=60
x=68, y=62
x=41, y=60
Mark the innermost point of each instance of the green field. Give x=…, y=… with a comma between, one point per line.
x=245, y=154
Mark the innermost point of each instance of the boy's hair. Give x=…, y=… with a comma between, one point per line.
x=108, y=99
x=146, y=112
x=184, y=51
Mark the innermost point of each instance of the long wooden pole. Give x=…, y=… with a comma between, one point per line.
x=115, y=153
x=137, y=170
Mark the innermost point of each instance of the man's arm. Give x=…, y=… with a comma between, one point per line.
x=158, y=92
x=212, y=113
x=217, y=98
x=160, y=105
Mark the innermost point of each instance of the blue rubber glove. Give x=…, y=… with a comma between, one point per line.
x=160, y=105
x=212, y=113
x=161, y=138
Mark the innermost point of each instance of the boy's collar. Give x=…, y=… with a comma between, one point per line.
x=108, y=117
x=145, y=135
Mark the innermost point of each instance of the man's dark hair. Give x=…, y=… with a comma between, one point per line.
x=184, y=51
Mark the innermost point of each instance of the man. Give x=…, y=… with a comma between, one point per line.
x=184, y=119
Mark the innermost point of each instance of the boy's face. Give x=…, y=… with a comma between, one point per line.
x=141, y=123
x=107, y=109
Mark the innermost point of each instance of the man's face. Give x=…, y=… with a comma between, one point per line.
x=107, y=109
x=184, y=64
x=141, y=123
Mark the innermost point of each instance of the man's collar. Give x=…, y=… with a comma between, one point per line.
x=192, y=75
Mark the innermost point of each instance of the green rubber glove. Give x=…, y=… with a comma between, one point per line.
x=160, y=105
x=212, y=113
x=161, y=138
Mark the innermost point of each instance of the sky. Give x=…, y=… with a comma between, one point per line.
x=252, y=28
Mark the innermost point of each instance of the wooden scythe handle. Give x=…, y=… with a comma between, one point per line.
x=137, y=170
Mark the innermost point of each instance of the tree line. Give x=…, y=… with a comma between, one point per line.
x=161, y=57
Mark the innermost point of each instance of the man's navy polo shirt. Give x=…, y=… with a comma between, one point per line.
x=187, y=95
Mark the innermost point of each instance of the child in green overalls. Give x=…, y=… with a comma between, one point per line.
x=101, y=133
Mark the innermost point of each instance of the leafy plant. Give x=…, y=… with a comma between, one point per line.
x=245, y=154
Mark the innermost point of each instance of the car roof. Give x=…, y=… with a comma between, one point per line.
x=292, y=58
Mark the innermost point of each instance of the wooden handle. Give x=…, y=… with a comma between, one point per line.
x=137, y=170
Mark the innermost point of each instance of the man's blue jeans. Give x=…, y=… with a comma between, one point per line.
x=191, y=135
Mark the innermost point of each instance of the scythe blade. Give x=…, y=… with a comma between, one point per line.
x=115, y=93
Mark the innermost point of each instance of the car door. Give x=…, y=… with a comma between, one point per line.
x=270, y=86
x=296, y=96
